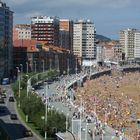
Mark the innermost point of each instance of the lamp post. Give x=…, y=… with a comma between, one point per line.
x=81, y=108
x=35, y=66
x=21, y=65
x=43, y=65
x=68, y=68
x=58, y=68
x=27, y=67
x=86, y=131
x=18, y=75
x=76, y=67
x=27, y=90
x=46, y=109
x=50, y=66
x=67, y=116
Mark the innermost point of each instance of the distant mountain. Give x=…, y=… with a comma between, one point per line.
x=102, y=38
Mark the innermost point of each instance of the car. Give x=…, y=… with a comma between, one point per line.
x=3, y=95
x=2, y=109
x=27, y=133
x=13, y=117
x=11, y=99
x=2, y=100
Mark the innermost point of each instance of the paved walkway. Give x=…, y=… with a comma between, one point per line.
x=58, y=88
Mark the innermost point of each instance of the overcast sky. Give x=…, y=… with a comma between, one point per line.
x=109, y=16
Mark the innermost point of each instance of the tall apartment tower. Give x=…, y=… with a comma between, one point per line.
x=127, y=39
x=44, y=28
x=84, y=34
x=137, y=46
x=66, y=33
x=6, y=29
x=22, y=31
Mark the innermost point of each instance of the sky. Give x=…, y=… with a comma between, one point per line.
x=109, y=16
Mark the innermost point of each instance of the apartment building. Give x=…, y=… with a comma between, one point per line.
x=137, y=46
x=22, y=32
x=66, y=33
x=127, y=41
x=45, y=28
x=84, y=35
x=6, y=26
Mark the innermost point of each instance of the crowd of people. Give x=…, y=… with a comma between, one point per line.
x=115, y=99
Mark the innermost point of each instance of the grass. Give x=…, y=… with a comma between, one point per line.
x=3, y=135
x=31, y=125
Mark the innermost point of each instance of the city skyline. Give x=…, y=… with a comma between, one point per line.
x=109, y=16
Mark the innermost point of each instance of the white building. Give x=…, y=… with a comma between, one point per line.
x=84, y=46
x=127, y=38
x=100, y=53
x=22, y=31
x=137, y=46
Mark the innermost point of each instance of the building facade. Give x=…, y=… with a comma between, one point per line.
x=44, y=28
x=6, y=26
x=127, y=41
x=22, y=31
x=100, y=53
x=137, y=46
x=117, y=52
x=66, y=33
x=84, y=35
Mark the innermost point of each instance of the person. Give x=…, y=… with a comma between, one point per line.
x=117, y=132
x=90, y=132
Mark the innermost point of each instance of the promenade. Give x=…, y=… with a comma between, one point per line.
x=56, y=99
x=59, y=90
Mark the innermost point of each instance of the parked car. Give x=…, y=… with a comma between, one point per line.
x=2, y=109
x=3, y=95
x=2, y=100
x=13, y=117
x=27, y=133
x=11, y=99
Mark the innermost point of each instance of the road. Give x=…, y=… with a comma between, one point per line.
x=14, y=128
x=61, y=107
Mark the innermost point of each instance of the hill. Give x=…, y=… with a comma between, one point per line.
x=102, y=38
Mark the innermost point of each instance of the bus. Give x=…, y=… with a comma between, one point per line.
x=5, y=81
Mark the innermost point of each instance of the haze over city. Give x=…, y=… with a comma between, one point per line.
x=109, y=16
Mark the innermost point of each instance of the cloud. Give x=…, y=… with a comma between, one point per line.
x=16, y=2
x=107, y=14
x=58, y=3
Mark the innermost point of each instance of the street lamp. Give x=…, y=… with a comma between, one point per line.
x=43, y=65
x=68, y=68
x=58, y=68
x=46, y=109
x=21, y=65
x=50, y=66
x=86, y=131
x=76, y=67
x=18, y=75
x=35, y=66
x=27, y=67
x=27, y=90
x=67, y=116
